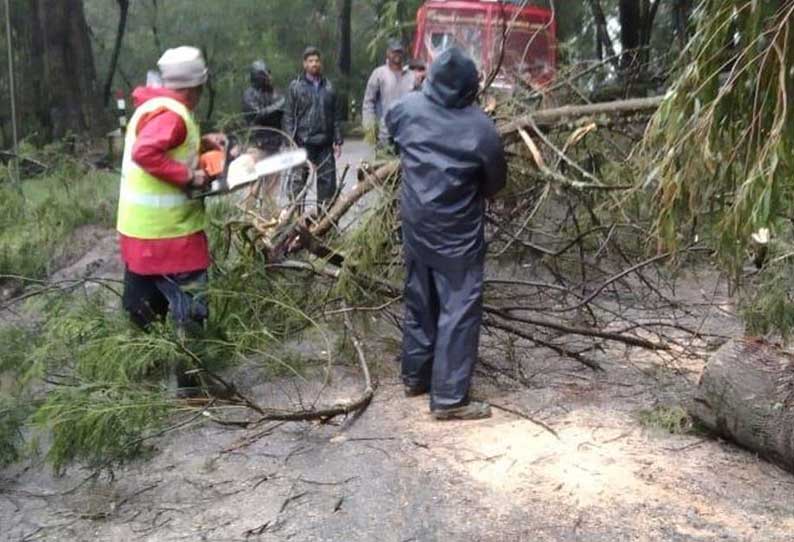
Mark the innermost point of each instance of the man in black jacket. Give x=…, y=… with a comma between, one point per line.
x=452, y=160
x=263, y=109
x=311, y=117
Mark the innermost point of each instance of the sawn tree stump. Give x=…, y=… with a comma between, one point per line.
x=746, y=394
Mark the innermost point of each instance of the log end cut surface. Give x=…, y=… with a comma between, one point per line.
x=746, y=394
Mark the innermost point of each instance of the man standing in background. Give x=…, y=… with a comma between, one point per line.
x=312, y=118
x=386, y=85
x=419, y=68
x=263, y=109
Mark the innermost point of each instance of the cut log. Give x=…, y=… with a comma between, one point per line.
x=549, y=118
x=286, y=241
x=746, y=395
x=346, y=201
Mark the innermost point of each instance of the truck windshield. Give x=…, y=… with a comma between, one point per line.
x=527, y=49
x=466, y=37
x=526, y=52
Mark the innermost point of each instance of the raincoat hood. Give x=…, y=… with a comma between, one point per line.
x=453, y=80
x=260, y=74
x=143, y=94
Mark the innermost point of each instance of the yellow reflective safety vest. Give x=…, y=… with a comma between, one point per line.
x=148, y=207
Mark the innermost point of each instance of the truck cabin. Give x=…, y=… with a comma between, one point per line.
x=479, y=27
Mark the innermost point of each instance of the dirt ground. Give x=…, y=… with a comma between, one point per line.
x=393, y=474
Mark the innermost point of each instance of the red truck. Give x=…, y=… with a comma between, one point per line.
x=479, y=26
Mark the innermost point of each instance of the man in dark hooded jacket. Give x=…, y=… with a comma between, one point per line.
x=263, y=109
x=452, y=160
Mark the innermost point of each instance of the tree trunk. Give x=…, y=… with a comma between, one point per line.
x=124, y=6
x=345, y=54
x=155, y=31
x=344, y=29
x=630, y=30
x=402, y=16
x=602, y=35
x=650, y=9
x=209, y=88
x=746, y=394
x=63, y=66
x=572, y=114
x=681, y=11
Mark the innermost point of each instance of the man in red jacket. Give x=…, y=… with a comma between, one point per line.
x=161, y=230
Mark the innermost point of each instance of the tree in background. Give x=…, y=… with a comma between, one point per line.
x=232, y=37
x=344, y=56
x=680, y=20
x=123, y=40
x=124, y=7
x=394, y=19
x=58, y=84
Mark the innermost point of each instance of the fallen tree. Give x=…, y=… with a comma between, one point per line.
x=570, y=116
x=579, y=288
x=746, y=395
x=571, y=281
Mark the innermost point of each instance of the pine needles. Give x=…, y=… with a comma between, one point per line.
x=13, y=415
x=95, y=384
x=100, y=422
x=372, y=248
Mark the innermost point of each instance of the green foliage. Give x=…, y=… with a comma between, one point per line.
x=720, y=146
x=100, y=421
x=15, y=404
x=255, y=307
x=671, y=419
x=101, y=392
x=85, y=337
x=35, y=223
x=17, y=343
x=767, y=303
x=720, y=150
x=371, y=249
x=104, y=392
x=12, y=419
x=232, y=36
x=395, y=18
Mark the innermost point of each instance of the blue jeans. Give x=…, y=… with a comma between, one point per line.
x=149, y=298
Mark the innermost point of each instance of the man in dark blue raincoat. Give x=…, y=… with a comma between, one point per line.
x=452, y=159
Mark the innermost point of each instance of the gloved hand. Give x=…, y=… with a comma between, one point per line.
x=199, y=179
x=213, y=141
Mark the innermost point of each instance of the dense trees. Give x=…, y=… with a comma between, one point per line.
x=93, y=47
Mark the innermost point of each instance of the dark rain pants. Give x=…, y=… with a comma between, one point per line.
x=149, y=298
x=441, y=333
x=324, y=160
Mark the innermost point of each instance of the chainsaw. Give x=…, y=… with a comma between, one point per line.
x=243, y=170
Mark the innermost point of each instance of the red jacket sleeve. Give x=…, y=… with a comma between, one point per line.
x=157, y=134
